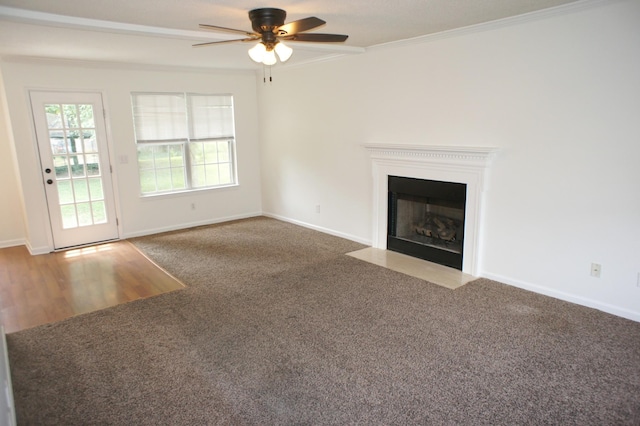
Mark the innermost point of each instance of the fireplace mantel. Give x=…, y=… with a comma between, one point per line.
x=461, y=164
x=472, y=155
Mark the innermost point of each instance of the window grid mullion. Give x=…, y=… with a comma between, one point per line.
x=187, y=146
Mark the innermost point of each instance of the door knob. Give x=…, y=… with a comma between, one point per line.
x=47, y=170
x=49, y=181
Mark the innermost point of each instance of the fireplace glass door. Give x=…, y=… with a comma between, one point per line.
x=426, y=219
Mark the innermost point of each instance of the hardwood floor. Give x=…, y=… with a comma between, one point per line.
x=36, y=290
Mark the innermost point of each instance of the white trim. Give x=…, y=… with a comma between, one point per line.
x=55, y=20
x=12, y=243
x=74, y=22
x=460, y=164
x=189, y=225
x=497, y=24
x=319, y=228
x=567, y=297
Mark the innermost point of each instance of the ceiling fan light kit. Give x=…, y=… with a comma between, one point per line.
x=269, y=30
x=261, y=53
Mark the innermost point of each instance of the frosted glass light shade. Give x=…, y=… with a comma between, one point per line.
x=269, y=58
x=284, y=52
x=257, y=52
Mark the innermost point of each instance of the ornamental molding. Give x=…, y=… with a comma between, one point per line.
x=477, y=155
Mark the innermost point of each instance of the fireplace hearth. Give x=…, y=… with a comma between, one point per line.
x=426, y=219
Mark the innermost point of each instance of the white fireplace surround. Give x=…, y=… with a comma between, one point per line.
x=460, y=164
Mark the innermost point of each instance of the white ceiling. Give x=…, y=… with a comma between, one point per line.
x=161, y=32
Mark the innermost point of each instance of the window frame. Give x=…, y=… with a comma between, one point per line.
x=185, y=143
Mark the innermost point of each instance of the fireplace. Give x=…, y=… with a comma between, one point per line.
x=426, y=219
x=465, y=165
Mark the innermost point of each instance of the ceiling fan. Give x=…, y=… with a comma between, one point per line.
x=269, y=30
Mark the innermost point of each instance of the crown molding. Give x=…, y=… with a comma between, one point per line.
x=129, y=66
x=498, y=23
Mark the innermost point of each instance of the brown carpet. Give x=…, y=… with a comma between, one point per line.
x=278, y=326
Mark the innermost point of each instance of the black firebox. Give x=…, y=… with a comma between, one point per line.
x=426, y=219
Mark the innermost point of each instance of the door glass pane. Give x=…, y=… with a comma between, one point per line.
x=77, y=165
x=90, y=141
x=95, y=188
x=80, y=190
x=65, y=193
x=86, y=116
x=70, y=116
x=69, y=219
x=74, y=144
x=56, y=138
x=61, y=166
x=93, y=166
x=84, y=214
x=54, y=116
x=99, y=212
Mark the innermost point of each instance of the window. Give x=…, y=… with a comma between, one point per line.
x=185, y=141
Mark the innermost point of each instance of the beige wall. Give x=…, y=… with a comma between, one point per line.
x=137, y=215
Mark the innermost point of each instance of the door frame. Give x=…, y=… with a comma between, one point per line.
x=38, y=165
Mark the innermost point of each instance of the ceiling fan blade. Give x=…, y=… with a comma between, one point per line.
x=318, y=38
x=225, y=41
x=232, y=30
x=300, y=25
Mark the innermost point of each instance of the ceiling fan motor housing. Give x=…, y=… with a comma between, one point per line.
x=266, y=19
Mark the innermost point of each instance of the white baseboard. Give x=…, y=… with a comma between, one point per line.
x=12, y=243
x=567, y=297
x=319, y=228
x=188, y=225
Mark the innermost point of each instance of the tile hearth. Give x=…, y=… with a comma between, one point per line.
x=434, y=273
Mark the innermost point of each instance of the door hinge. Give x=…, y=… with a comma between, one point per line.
x=110, y=168
x=117, y=222
x=104, y=114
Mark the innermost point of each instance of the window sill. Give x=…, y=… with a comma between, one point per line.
x=187, y=192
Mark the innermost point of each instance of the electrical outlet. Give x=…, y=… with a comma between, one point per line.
x=596, y=268
x=317, y=208
x=193, y=206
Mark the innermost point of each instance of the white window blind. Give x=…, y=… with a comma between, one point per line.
x=159, y=117
x=212, y=117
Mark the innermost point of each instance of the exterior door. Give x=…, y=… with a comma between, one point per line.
x=72, y=140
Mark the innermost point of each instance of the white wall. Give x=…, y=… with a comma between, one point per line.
x=559, y=94
x=137, y=215
x=12, y=230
